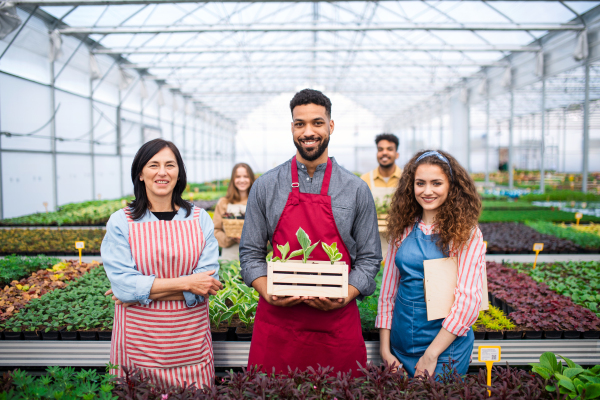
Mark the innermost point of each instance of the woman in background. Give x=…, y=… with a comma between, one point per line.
x=234, y=203
x=433, y=215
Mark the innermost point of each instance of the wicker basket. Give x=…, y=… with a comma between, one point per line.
x=233, y=227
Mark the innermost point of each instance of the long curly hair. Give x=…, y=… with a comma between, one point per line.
x=455, y=218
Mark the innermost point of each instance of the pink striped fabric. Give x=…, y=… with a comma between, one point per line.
x=468, y=292
x=168, y=341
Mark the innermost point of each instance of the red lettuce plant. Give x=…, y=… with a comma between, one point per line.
x=536, y=306
x=377, y=383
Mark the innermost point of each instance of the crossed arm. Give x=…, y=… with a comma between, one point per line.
x=202, y=284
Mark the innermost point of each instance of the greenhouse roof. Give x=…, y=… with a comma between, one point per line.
x=387, y=56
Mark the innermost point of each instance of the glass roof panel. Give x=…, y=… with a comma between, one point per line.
x=246, y=53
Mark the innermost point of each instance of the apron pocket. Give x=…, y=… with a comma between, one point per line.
x=162, y=338
x=411, y=332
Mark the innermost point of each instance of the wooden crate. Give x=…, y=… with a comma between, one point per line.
x=294, y=278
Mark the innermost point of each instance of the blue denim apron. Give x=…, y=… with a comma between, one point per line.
x=411, y=333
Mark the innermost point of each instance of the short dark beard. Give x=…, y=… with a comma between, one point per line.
x=312, y=156
x=390, y=166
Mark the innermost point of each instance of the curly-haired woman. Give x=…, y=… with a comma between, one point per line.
x=433, y=215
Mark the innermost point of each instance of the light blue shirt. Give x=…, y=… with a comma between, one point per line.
x=130, y=285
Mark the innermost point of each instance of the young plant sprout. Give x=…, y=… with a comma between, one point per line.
x=304, y=241
x=332, y=252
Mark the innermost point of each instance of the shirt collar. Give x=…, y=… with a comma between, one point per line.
x=397, y=173
x=320, y=167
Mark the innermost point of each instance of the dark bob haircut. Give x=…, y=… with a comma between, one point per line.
x=390, y=137
x=311, y=96
x=141, y=204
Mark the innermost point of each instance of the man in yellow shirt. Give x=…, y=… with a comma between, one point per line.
x=383, y=180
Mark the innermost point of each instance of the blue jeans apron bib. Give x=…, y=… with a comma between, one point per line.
x=411, y=333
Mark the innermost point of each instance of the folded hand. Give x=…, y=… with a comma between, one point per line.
x=119, y=302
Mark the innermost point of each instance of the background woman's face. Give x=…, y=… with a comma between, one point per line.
x=431, y=186
x=160, y=173
x=241, y=179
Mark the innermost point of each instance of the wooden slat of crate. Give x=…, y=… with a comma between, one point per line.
x=312, y=279
x=312, y=291
x=313, y=267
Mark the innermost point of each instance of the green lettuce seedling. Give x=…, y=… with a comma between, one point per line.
x=304, y=241
x=332, y=252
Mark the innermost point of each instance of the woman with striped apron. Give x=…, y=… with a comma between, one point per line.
x=159, y=265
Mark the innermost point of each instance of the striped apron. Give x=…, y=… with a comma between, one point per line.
x=169, y=342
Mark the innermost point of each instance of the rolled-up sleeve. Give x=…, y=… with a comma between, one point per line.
x=468, y=292
x=128, y=284
x=208, y=259
x=365, y=231
x=253, y=245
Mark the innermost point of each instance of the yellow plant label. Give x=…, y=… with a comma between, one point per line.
x=485, y=243
x=489, y=353
x=80, y=245
x=538, y=246
x=578, y=215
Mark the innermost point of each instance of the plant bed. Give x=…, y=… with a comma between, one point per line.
x=492, y=323
x=515, y=238
x=80, y=306
x=536, y=214
x=15, y=267
x=578, y=280
x=586, y=240
x=49, y=241
x=374, y=382
x=19, y=293
x=537, y=307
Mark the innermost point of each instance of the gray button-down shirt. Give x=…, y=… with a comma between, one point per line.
x=353, y=211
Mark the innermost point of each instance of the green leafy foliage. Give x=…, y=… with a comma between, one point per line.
x=16, y=267
x=572, y=380
x=583, y=239
x=49, y=241
x=284, y=250
x=79, y=306
x=368, y=306
x=60, y=384
x=332, y=252
x=236, y=299
x=579, y=280
x=86, y=213
x=561, y=195
x=494, y=320
x=541, y=214
x=305, y=243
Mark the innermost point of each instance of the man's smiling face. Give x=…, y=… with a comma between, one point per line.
x=311, y=128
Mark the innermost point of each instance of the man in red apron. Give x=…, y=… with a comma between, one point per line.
x=331, y=204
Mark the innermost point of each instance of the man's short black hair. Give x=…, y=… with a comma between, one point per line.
x=311, y=96
x=390, y=137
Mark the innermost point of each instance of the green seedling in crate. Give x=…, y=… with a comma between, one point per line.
x=307, y=247
x=332, y=252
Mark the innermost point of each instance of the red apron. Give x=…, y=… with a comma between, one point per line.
x=302, y=336
x=170, y=342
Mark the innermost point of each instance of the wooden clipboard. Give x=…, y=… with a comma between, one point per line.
x=439, y=284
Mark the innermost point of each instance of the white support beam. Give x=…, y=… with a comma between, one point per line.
x=375, y=64
x=405, y=26
x=331, y=49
